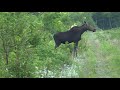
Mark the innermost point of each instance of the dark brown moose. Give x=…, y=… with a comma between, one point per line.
x=73, y=35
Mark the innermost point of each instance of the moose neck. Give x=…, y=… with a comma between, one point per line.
x=82, y=29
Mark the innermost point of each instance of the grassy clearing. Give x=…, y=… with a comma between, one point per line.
x=103, y=54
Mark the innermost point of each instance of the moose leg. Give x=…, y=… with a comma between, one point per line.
x=57, y=44
x=75, y=49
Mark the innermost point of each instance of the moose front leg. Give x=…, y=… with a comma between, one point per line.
x=75, y=49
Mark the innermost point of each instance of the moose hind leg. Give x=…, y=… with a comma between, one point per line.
x=57, y=44
x=75, y=51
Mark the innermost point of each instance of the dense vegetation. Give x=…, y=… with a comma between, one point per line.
x=27, y=46
x=107, y=20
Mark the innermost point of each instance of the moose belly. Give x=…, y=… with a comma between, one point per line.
x=69, y=39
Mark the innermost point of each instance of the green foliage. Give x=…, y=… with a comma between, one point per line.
x=15, y=30
x=23, y=67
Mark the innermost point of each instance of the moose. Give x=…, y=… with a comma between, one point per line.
x=72, y=35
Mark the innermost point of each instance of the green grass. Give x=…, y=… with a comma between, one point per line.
x=103, y=54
